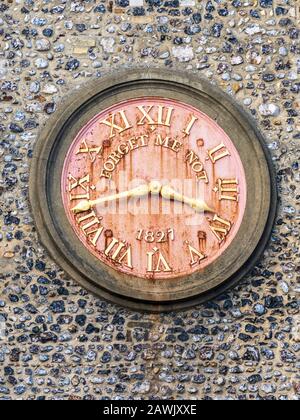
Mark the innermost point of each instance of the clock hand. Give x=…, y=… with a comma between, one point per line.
x=86, y=205
x=197, y=204
x=155, y=187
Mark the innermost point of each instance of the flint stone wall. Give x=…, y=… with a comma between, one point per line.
x=56, y=340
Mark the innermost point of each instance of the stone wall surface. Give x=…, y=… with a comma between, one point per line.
x=56, y=340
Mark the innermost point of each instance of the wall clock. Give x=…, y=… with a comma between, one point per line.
x=152, y=189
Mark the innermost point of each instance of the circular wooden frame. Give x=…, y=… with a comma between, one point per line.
x=58, y=237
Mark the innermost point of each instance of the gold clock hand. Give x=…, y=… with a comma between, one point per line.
x=197, y=204
x=86, y=205
x=155, y=187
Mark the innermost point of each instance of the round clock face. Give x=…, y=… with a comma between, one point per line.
x=154, y=188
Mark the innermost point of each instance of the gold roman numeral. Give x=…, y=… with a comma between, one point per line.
x=92, y=227
x=195, y=255
x=220, y=228
x=161, y=263
x=188, y=129
x=79, y=183
x=163, y=115
x=219, y=152
x=119, y=251
x=114, y=127
x=93, y=152
x=227, y=189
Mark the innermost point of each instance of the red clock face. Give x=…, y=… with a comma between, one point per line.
x=154, y=188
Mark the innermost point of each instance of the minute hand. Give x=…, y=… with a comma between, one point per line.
x=86, y=205
x=197, y=204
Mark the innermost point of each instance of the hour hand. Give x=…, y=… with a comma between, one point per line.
x=86, y=205
x=197, y=204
